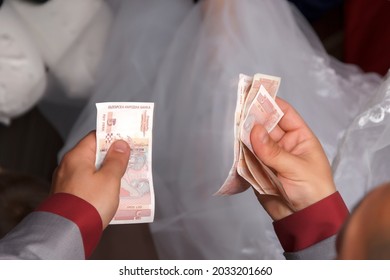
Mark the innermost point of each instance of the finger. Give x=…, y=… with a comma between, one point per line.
x=291, y=119
x=277, y=133
x=269, y=152
x=116, y=160
x=82, y=155
x=86, y=148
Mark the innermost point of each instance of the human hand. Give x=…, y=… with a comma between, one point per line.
x=77, y=175
x=296, y=155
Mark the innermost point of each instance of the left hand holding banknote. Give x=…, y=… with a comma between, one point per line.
x=77, y=175
x=295, y=153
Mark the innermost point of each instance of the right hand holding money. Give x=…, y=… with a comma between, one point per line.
x=298, y=159
x=288, y=168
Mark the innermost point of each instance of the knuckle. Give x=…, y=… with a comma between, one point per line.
x=69, y=159
x=60, y=172
x=66, y=165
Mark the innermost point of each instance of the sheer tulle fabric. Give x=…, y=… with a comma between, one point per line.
x=186, y=58
x=362, y=161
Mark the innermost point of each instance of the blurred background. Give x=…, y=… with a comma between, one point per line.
x=65, y=34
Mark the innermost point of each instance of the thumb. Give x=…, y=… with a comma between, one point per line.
x=116, y=160
x=269, y=152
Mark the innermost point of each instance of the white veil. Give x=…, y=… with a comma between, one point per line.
x=186, y=58
x=362, y=162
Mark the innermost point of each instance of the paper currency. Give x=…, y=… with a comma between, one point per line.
x=255, y=105
x=133, y=123
x=263, y=110
x=234, y=182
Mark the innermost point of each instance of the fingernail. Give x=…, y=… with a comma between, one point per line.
x=120, y=146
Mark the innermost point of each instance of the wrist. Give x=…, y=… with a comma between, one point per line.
x=308, y=195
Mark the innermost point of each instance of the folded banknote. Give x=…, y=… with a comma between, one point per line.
x=255, y=105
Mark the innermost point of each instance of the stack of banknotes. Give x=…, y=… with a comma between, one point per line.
x=133, y=123
x=255, y=105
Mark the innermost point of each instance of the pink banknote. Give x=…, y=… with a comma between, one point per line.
x=234, y=183
x=133, y=123
x=255, y=105
x=270, y=83
x=263, y=110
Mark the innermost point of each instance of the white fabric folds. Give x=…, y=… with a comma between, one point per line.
x=186, y=59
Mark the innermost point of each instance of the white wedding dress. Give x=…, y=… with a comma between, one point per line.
x=186, y=58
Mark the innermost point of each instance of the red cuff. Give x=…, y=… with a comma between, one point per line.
x=312, y=224
x=79, y=211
